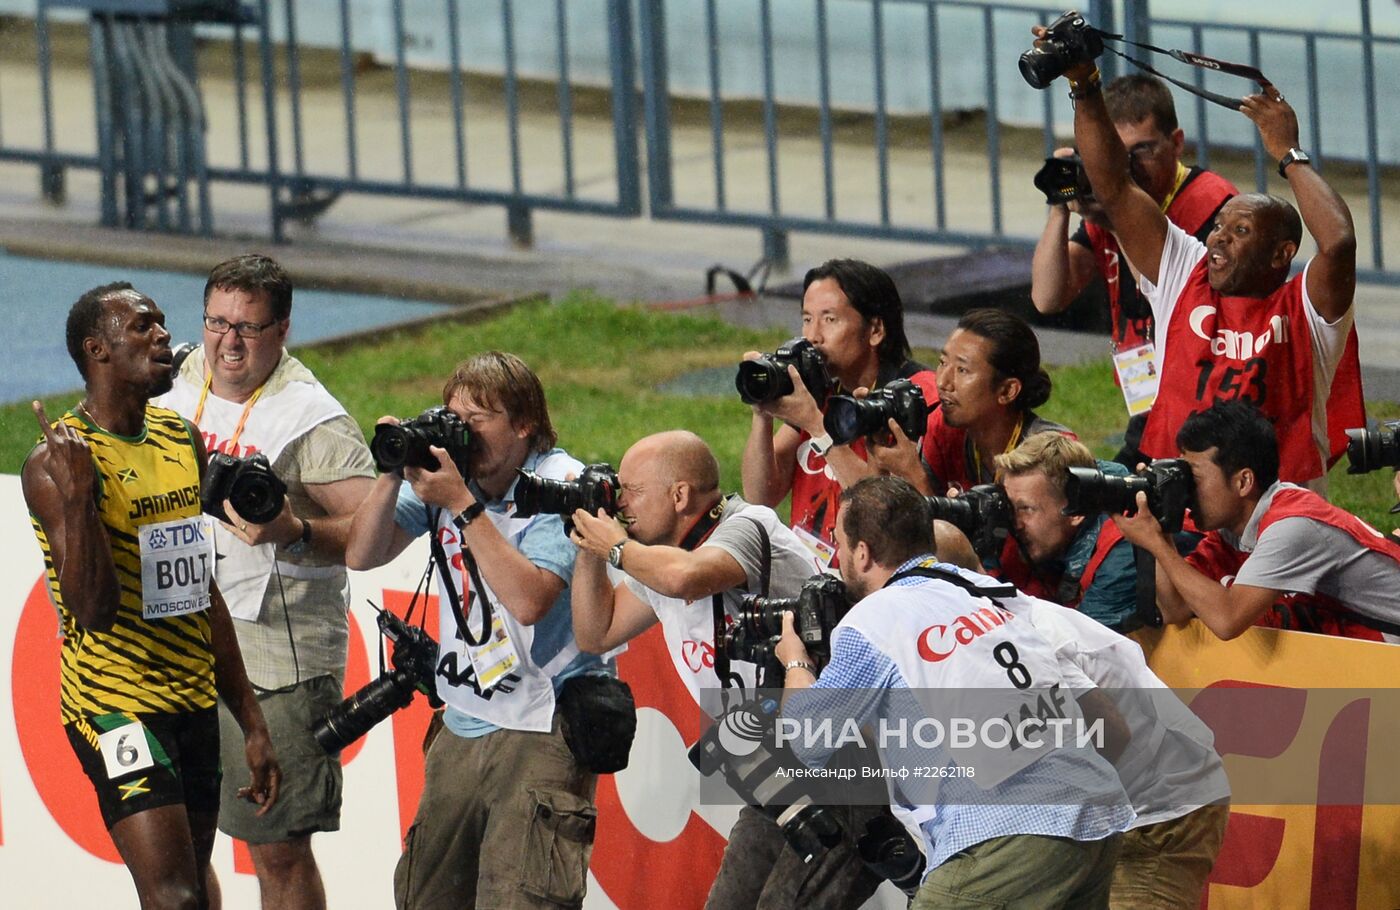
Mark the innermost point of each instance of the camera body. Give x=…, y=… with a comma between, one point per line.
x=983, y=513
x=596, y=488
x=766, y=378
x=1168, y=483
x=414, y=670
x=1068, y=40
x=1371, y=450
x=817, y=608
x=255, y=492
x=848, y=418
x=742, y=747
x=406, y=444
x=1063, y=180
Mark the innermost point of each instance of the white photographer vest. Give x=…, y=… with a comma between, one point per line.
x=274, y=422
x=524, y=699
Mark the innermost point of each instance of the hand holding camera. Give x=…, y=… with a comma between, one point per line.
x=790, y=384
x=849, y=417
x=1066, y=47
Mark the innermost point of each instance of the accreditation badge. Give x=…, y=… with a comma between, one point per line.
x=496, y=657
x=1137, y=376
x=177, y=563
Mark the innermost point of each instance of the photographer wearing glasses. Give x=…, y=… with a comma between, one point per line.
x=1037, y=822
x=1144, y=116
x=852, y=314
x=1269, y=542
x=503, y=771
x=281, y=570
x=684, y=550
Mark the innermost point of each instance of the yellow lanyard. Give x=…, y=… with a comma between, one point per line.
x=1181, y=173
x=238, y=430
x=1011, y=444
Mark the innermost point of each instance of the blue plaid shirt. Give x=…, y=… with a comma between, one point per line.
x=1047, y=798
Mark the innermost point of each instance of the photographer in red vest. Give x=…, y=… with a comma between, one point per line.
x=1269, y=544
x=1230, y=322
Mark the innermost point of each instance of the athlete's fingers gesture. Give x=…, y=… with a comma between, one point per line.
x=66, y=457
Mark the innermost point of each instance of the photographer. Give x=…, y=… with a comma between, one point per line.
x=852, y=314
x=989, y=381
x=112, y=489
x=1144, y=116
x=1074, y=560
x=1038, y=824
x=1230, y=322
x=502, y=765
x=684, y=544
x=1268, y=541
x=284, y=580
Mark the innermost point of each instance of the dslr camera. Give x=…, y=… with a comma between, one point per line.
x=816, y=610
x=405, y=444
x=766, y=378
x=1068, y=40
x=983, y=513
x=848, y=418
x=247, y=483
x=1371, y=450
x=1167, y=482
x=742, y=747
x=414, y=669
x=596, y=488
x=1063, y=180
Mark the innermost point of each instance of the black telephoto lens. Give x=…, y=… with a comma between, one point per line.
x=762, y=380
x=354, y=717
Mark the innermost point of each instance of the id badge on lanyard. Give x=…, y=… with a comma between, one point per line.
x=1137, y=376
x=177, y=563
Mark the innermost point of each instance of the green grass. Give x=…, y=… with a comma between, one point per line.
x=601, y=366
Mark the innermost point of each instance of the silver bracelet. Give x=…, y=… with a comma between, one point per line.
x=800, y=665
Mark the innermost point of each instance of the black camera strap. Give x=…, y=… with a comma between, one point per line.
x=449, y=586
x=928, y=570
x=728, y=679
x=1145, y=566
x=1243, y=70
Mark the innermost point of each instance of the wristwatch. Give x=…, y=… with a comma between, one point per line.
x=800, y=665
x=1294, y=156
x=615, y=554
x=821, y=444
x=468, y=515
x=302, y=543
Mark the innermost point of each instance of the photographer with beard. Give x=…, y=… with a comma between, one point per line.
x=853, y=315
x=1035, y=826
x=1269, y=542
x=683, y=549
x=501, y=771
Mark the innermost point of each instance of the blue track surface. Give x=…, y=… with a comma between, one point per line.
x=35, y=295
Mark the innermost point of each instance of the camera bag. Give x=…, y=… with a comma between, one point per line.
x=598, y=717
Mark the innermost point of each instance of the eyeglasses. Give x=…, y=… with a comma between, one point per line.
x=244, y=329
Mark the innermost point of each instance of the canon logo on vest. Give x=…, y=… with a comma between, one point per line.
x=938, y=642
x=1237, y=345
x=812, y=463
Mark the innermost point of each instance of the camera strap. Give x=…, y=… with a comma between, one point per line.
x=928, y=570
x=1145, y=566
x=727, y=677
x=449, y=586
x=1210, y=63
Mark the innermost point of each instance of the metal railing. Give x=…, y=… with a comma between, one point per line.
x=830, y=116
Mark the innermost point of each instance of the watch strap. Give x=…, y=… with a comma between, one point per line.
x=615, y=554
x=821, y=444
x=468, y=515
x=1294, y=156
x=800, y=665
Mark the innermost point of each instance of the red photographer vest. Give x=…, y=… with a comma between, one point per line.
x=1051, y=587
x=1193, y=210
x=1302, y=612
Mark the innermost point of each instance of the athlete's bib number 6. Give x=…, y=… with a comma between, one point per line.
x=125, y=749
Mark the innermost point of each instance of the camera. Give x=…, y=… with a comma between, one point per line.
x=1371, y=450
x=248, y=484
x=1063, y=180
x=766, y=378
x=983, y=513
x=1167, y=482
x=849, y=418
x=1068, y=40
x=816, y=610
x=596, y=488
x=405, y=444
x=414, y=669
x=742, y=747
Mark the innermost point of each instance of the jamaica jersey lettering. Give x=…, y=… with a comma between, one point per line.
x=160, y=665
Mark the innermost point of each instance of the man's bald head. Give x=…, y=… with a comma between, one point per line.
x=678, y=455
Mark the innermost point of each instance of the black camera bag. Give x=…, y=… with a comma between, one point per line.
x=598, y=717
